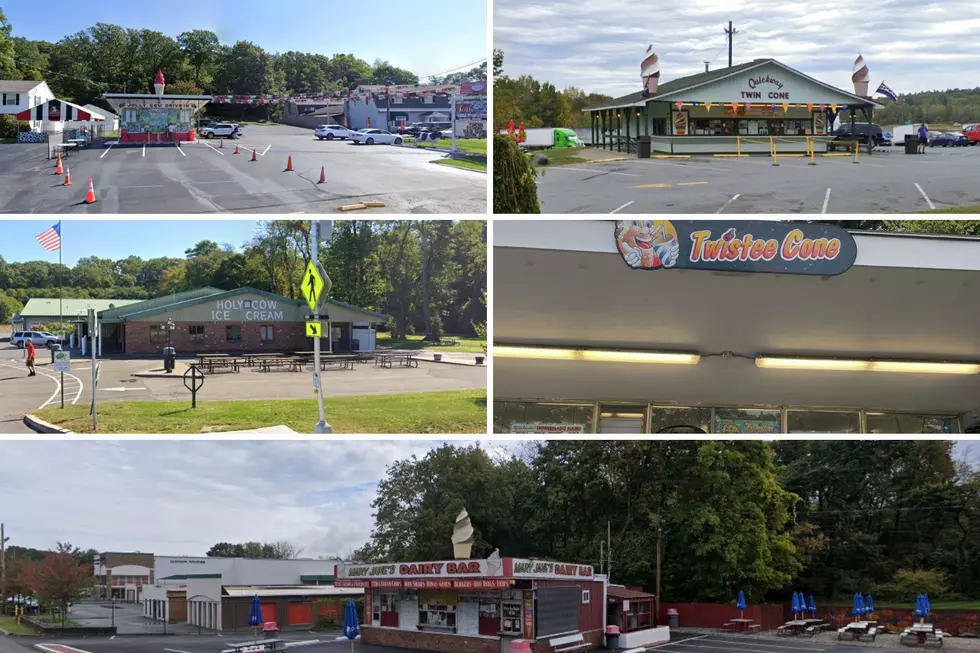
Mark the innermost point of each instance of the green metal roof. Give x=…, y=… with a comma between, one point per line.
x=44, y=307
x=700, y=79
x=119, y=314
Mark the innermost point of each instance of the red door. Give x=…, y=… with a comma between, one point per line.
x=268, y=612
x=300, y=614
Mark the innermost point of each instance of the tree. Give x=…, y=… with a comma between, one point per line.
x=9, y=306
x=498, y=62
x=226, y=550
x=283, y=550
x=201, y=48
x=61, y=580
x=514, y=186
x=8, y=66
x=385, y=73
x=203, y=248
x=349, y=71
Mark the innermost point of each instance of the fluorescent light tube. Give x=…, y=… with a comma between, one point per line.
x=599, y=355
x=847, y=365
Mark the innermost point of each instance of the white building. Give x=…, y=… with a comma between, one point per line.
x=111, y=119
x=19, y=95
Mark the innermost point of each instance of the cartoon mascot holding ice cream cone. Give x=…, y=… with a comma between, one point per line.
x=648, y=244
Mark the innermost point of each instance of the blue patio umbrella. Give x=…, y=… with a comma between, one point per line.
x=870, y=604
x=351, y=627
x=927, y=603
x=918, y=606
x=795, y=604
x=255, y=614
x=857, y=607
x=812, y=609
x=740, y=603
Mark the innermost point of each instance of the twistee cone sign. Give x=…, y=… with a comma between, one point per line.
x=861, y=77
x=462, y=536
x=650, y=72
x=159, y=83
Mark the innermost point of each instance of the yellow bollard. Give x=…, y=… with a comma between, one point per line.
x=772, y=150
x=738, y=144
x=813, y=151
x=857, y=149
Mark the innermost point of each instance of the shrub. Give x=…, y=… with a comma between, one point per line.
x=908, y=583
x=514, y=187
x=9, y=127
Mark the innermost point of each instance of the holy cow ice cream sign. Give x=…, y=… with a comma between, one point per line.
x=735, y=246
x=247, y=310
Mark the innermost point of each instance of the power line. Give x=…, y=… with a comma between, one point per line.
x=472, y=64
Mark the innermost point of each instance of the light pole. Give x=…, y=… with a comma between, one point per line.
x=169, y=326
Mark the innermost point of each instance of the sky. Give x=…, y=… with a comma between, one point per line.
x=598, y=45
x=181, y=497
x=118, y=239
x=426, y=39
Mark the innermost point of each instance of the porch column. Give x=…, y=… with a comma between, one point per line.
x=329, y=337
x=628, y=117
x=603, y=115
x=619, y=131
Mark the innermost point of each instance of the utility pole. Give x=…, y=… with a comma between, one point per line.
x=730, y=33
x=656, y=600
x=609, y=549
x=602, y=557
x=706, y=66
x=3, y=571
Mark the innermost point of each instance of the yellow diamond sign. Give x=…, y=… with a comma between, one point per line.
x=312, y=287
x=314, y=330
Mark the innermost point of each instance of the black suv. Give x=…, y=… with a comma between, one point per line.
x=860, y=134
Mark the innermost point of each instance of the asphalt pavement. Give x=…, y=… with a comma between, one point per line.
x=22, y=394
x=207, y=177
x=889, y=181
x=308, y=642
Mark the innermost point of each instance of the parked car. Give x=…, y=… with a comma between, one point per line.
x=887, y=136
x=206, y=122
x=39, y=338
x=972, y=133
x=331, y=132
x=946, y=139
x=372, y=136
x=860, y=133
x=222, y=130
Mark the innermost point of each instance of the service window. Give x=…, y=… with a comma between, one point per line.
x=196, y=333
x=158, y=334
x=905, y=423
x=267, y=333
x=437, y=610
x=823, y=421
x=233, y=333
x=750, y=420
x=556, y=610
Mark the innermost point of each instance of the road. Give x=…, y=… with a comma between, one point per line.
x=207, y=177
x=884, y=182
x=210, y=643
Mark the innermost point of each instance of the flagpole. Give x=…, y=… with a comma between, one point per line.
x=61, y=288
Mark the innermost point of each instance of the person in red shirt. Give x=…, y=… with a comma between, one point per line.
x=30, y=358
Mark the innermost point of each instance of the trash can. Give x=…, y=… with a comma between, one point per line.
x=643, y=147
x=673, y=618
x=355, y=344
x=911, y=143
x=169, y=359
x=54, y=347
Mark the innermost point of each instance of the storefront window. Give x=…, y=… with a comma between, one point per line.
x=196, y=332
x=158, y=334
x=618, y=419
x=739, y=420
x=676, y=419
x=437, y=609
x=902, y=423
x=517, y=417
x=233, y=333
x=820, y=421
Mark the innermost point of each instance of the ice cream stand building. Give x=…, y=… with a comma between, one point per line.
x=156, y=118
x=741, y=109
x=488, y=605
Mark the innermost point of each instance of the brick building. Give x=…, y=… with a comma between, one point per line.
x=122, y=575
x=213, y=320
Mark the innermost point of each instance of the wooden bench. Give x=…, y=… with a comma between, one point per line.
x=293, y=364
x=728, y=625
x=258, y=646
x=389, y=360
x=755, y=628
x=222, y=363
x=345, y=362
x=568, y=643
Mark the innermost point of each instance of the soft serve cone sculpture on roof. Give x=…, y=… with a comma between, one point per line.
x=494, y=563
x=462, y=536
x=650, y=72
x=861, y=77
x=159, y=82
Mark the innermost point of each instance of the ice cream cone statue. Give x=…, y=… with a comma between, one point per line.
x=494, y=565
x=159, y=82
x=462, y=536
x=861, y=77
x=650, y=72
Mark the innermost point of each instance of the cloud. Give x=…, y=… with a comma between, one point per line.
x=598, y=45
x=179, y=498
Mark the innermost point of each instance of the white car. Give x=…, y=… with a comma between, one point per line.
x=222, y=130
x=372, y=136
x=331, y=132
x=39, y=338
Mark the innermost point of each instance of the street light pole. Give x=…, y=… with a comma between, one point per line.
x=3, y=571
x=321, y=426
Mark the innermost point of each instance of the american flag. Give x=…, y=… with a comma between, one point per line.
x=51, y=239
x=887, y=92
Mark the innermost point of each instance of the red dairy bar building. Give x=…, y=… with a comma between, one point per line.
x=480, y=605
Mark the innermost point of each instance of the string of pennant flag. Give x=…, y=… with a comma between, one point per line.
x=786, y=106
x=467, y=88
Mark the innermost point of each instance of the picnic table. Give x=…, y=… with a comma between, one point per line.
x=251, y=359
x=257, y=646
x=80, y=142
x=795, y=627
x=202, y=358
x=859, y=630
x=388, y=359
x=218, y=363
x=295, y=364
x=922, y=634
x=738, y=624
x=65, y=147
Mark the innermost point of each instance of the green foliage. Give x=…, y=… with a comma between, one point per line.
x=908, y=583
x=514, y=188
x=57, y=328
x=9, y=127
x=9, y=306
x=385, y=73
x=946, y=107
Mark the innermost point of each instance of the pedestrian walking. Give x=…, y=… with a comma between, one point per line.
x=923, y=138
x=30, y=358
x=170, y=132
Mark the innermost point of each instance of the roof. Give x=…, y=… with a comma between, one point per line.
x=186, y=576
x=44, y=307
x=296, y=590
x=119, y=314
x=155, y=96
x=104, y=112
x=700, y=79
x=621, y=592
x=19, y=85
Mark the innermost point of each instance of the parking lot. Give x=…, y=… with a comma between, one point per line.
x=207, y=643
x=207, y=177
x=22, y=395
x=889, y=181
x=753, y=644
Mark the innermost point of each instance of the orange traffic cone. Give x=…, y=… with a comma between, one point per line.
x=323, y=176
x=289, y=164
x=67, y=176
x=90, y=196
x=254, y=158
x=58, y=170
x=236, y=150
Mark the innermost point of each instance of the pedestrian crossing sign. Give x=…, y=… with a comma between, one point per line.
x=314, y=330
x=312, y=287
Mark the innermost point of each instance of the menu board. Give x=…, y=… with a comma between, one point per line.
x=468, y=616
x=528, y=616
x=513, y=618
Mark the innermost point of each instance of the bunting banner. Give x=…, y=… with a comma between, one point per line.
x=57, y=111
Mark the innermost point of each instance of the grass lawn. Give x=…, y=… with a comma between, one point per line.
x=53, y=619
x=11, y=626
x=463, y=163
x=462, y=411
x=563, y=156
x=467, y=344
x=5, y=141
x=937, y=605
x=468, y=145
x=954, y=209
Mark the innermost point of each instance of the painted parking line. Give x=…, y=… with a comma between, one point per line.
x=144, y=149
x=574, y=168
x=59, y=648
x=661, y=185
x=180, y=149
x=692, y=183
x=175, y=650
x=267, y=147
x=759, y=643
x=826, y=200
x=214, y=148
x=685, y=647
x=925, y=197
x=621, y=208
x=726, y=204
x=106, y=151
x=666, y=185
x=686, y=640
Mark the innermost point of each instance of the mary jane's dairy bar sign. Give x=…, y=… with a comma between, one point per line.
x=456, y=574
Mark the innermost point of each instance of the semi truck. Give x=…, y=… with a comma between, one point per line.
x=548, y=137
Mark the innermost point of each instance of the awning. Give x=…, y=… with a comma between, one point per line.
x=57, y=111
